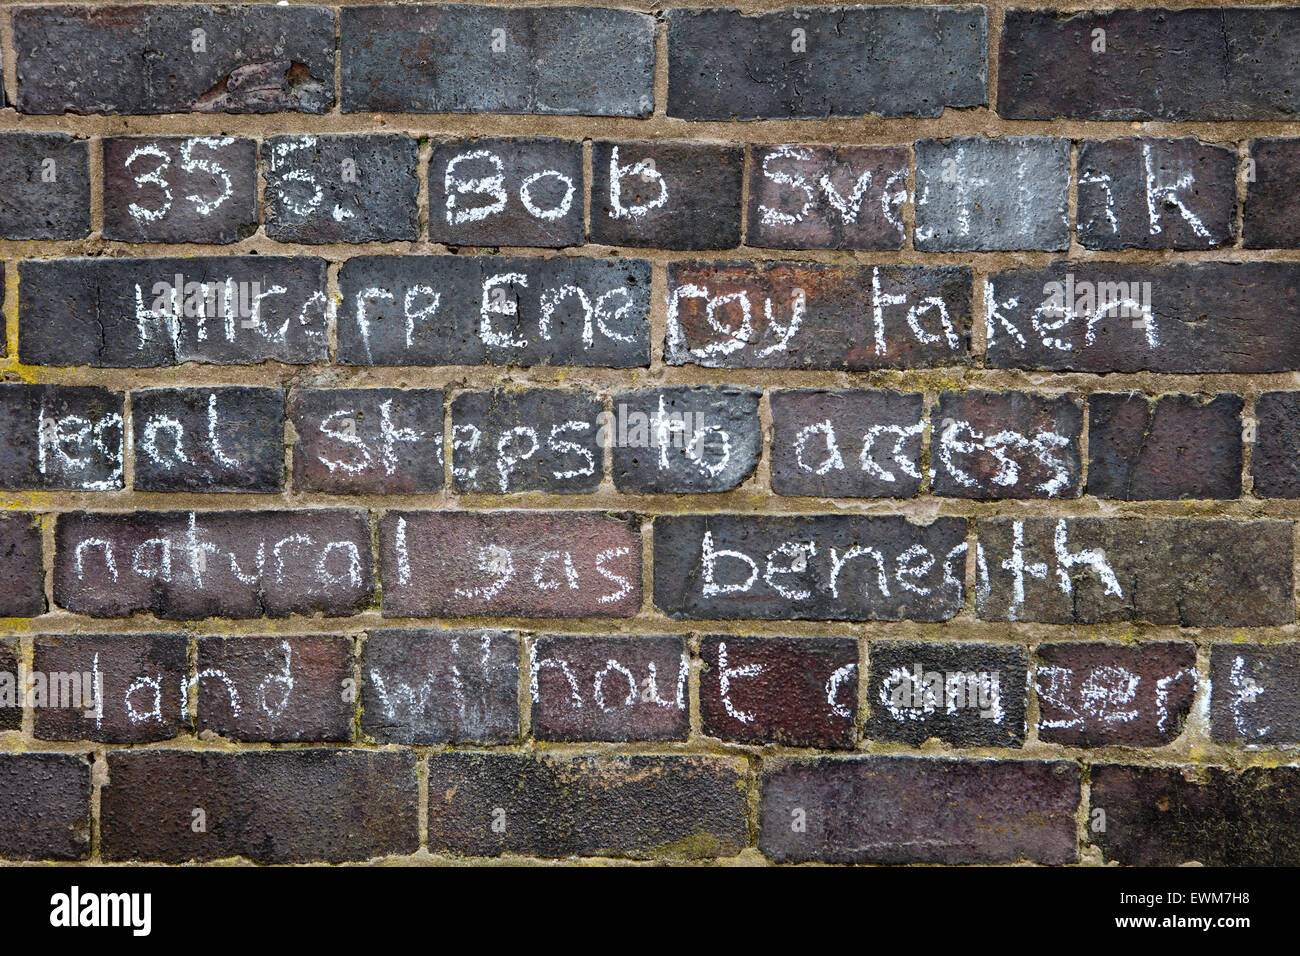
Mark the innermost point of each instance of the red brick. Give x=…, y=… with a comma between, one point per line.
x=510, y=563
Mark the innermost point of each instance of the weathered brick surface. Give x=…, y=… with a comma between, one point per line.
x=367, y=440
x=964, y=694
x=22, y=568
x=910, y=810
x=1255, y=693
x=506, y=441
x=44, y=186
x=133, y=693
x=272, y=807
x=523, y=563
x=1092, y=695
x=799, y=691
x=189, y=565
x=433, y=686
x=340, y=188
x=500, y=446
x=1269, y=214
x=54, y=436
x=1158, y=64
x=462, y=58
x=684, y=440
x=1173, y=446
x=854, y=443
x=278, y=689
x=11, y=696
x=138, y=313
x=1185, y=571
x=787, y=315
x=1207, y=317
x=822, y=567
x=142, y=59
x=723, y=64
x=642, y=807
x=609, y=688
x=465, y=310
x=672, y=195
x=977, y=194
x=1006, y=445
x=825, y=197
x=199, y=439
x=1145, y=193
x=1275, y=459
x=1217, y=816
x=45, y=799
x=500, y=191
x=180, y=188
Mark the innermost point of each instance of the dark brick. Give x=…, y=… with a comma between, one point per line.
x=180, y=188
x=462, y=58
x=477, y=310
x=827, y=197
x=509, y=563
x=1217, y=816
x=1094, y=695
x=914, y=810
x=1270, y=217
x=791, y=315
x=537, y=439
x=60, y=437
x=208, y=439
x=340, y=188
x=627, y=687
x=723, y=64
x=237, y=564
x=846, y=443
x=22, y=567
x=275, y=688
x=128, y=313
x=272, y=807
x=45, y=803
x=812, y=567
x=1006, y=445
x=643, y=807
x=1146, y=193
x=658, y=449
x=501, y=191
x=1186, y=318
x=1275, y=461
x=143, y=59
x=670, y=195
x=440, y=686
x=1255, y=694
x=797, y=691
x=357, y=441
x=141, y=679
x=44, y=186
x=1158, y=64
x=12, y=691
x=979, y=194
x=964, y=694
x=1183, y=571
x=1171, y=446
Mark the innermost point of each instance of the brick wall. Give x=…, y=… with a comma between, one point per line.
x=849, y=434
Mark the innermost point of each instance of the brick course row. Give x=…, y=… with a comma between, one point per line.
x=461, y=686
x=578, y=564
x=1207, y=317
x=971, y=193
x=338, y=805
x=674, y=440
